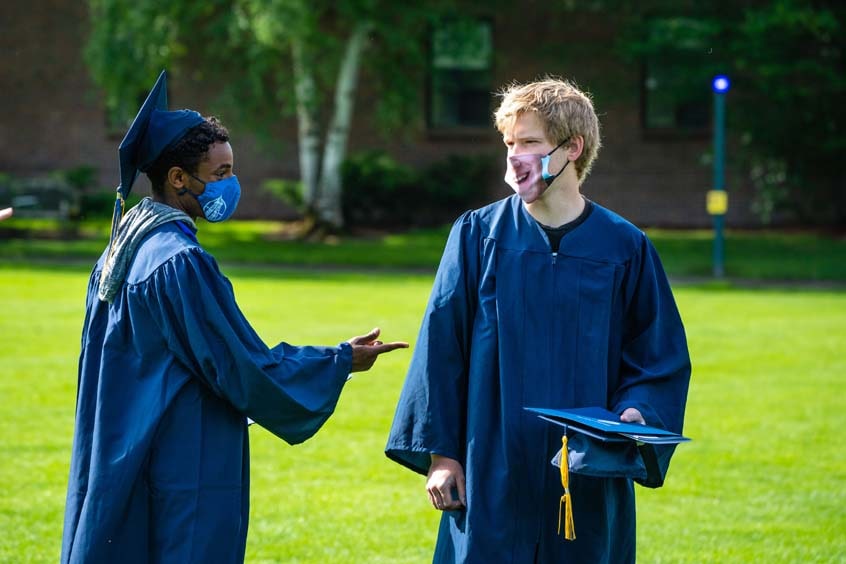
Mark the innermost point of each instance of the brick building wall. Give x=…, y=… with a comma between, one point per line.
x=52, y=117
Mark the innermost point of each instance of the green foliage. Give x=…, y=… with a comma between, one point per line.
x=267, y=59
x=100, y=205
x=762, y=481
x=70, y=194
x=289, y=192
x=380, y=192
x=786, y=61
x=459, y=181
x=80, y=178
x=243, y=49
x=129, y=44
x=790, y=59
x=40, y=196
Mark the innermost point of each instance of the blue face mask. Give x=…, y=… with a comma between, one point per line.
x=219, y=199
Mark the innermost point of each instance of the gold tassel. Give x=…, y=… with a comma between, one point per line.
x=566, y=502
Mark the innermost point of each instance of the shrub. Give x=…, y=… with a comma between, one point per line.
x=65, y=194
x=459, y=182
x=380, y=192
x=289, y=192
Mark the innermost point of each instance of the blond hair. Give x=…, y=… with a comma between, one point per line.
x=564, y=110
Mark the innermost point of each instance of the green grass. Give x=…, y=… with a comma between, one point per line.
x=754, y=254
x=764, y=479
x=235, y=242
x=749, y=255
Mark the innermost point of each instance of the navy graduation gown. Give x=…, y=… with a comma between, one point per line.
x=167, y=373
x=510, y=325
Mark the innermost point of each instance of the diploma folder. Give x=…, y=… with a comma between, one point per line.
x=606, y=426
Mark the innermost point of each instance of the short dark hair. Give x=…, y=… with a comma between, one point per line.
x=188, y=152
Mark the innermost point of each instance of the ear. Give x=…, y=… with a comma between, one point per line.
x=575, y=147
x=177, y=177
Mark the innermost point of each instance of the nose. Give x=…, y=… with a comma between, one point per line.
x=522, y=160
x=516, y=162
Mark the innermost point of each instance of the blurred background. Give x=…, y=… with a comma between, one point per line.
x=378, y=114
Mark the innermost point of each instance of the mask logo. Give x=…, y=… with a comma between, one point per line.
x=220, y=198
x=215, y=210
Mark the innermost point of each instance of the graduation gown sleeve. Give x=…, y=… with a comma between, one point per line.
x=168, y=371
x=430, y=414
x=289, y=390
x=655, y=364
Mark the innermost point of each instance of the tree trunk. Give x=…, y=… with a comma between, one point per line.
x=308, y=127
x=330, y=192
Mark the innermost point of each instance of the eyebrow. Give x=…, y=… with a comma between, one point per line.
x=224, y=166
x=523, y=139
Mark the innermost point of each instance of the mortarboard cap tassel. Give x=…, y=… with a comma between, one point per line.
x=566, y=503
x=601, y=445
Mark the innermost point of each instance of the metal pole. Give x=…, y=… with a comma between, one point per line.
x=719, y=179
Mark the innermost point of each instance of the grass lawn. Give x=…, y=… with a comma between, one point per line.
x=763, y=481
x=749, y=255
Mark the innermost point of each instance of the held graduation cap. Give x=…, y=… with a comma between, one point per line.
x=153, y=130
x=596, y=443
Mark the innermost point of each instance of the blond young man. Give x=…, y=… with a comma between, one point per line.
x=542, y=299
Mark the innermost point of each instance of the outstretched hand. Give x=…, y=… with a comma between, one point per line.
x=366, y=348
x=6, y=213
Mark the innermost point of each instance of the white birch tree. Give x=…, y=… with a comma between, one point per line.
x=299, y=55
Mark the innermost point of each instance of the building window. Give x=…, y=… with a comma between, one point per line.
x=461, y=79
x=676, y=78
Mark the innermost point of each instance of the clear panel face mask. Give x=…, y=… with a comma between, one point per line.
x=529, y=176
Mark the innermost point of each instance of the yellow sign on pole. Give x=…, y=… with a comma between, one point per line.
x=717, y=202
